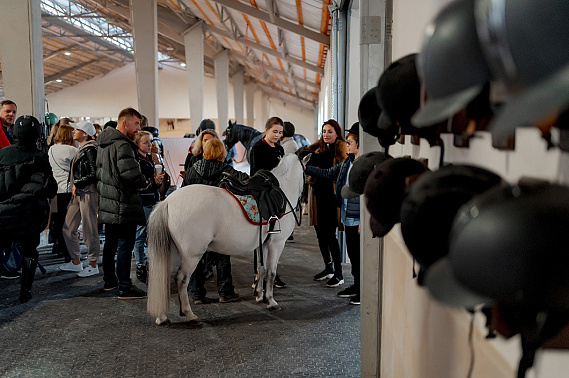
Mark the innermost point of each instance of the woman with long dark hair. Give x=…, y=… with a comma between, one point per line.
x=328, y=151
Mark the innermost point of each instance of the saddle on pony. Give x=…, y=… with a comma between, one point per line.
x=265, y=189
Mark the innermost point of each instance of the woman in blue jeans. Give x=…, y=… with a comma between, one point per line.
x=349, y=209
x=149, y=197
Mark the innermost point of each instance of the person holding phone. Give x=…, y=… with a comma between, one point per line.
x=148, y=196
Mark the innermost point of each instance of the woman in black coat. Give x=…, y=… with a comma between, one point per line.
x=209, y=171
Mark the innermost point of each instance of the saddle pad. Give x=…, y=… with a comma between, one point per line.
x=249, y=207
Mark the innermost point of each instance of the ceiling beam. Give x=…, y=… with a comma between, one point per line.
x=271, y=69
x=307, y=82
x=74, y=29
x=86, y=46
x=55, y=53
x=265, y=49
x=279, y=22
x=61, y=74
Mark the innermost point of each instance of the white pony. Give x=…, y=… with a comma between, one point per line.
x=199, y=218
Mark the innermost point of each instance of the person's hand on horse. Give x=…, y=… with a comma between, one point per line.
x=305, y=160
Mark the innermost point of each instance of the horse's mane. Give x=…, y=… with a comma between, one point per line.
x=245, y=133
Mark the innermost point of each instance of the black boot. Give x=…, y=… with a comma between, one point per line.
x=29, y=266
x=142, y=274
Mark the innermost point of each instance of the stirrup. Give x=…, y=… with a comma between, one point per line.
x=272, y=221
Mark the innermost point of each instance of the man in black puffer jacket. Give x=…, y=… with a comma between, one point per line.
x=120, y=209
x=26, y=183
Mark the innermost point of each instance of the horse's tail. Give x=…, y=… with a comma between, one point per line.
x=159, y=240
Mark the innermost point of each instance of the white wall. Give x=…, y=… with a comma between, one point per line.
x=421, y=338
x=105, y=96
x=354, y=68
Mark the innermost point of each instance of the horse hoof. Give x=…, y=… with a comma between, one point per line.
x=163, y=322
x=193, y=322
x=274, y=308
x=259, y=299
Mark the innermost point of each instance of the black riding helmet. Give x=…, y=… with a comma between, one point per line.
x=27, y=130
x=427, y=212
x=451, y=63
x=385, y=190
x=525, y=43
x=398, y=93
x=359, y=172
x=510, y=246
x=368, y=115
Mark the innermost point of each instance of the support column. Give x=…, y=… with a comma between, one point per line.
x=194, y=44
x=264, y=110
x=238, y=96
x=221, y=66
x=21, y=54
x=144, y=22
x=374, y=54
x=250, y=101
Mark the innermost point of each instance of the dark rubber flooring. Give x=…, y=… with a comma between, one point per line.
x=72, y=329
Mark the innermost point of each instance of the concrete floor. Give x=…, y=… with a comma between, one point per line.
x=72, y=328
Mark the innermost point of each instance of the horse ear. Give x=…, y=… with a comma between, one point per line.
x=305, y=160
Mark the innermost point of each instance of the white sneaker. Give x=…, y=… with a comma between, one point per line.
x=70, y=267
x=88, y=271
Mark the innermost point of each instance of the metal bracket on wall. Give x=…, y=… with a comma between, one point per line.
x=370, y=32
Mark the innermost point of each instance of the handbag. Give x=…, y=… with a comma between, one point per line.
x=11, y=258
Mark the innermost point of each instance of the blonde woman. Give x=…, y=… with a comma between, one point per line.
x=197, y=151
x=209, y=171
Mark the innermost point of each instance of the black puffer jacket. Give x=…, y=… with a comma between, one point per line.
x=210, y=172
x=119, y=179
x=150, y=195
x=85, y=165
x=26, y=182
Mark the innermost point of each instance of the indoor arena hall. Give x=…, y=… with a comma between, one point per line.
x=148, y=148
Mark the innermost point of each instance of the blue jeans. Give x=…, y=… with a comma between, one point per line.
x=140, y=252
x=119, y=239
